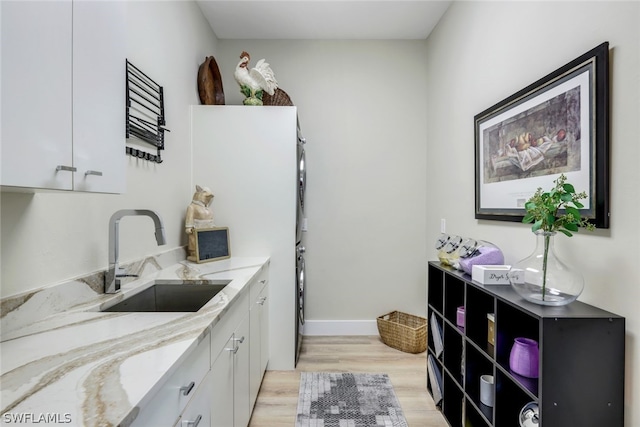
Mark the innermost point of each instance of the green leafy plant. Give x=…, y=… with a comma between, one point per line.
x=555, y=210
x=543, y=207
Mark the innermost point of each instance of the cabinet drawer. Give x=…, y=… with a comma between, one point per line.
x=166, y=406
x=198, y=411
x=258, y=284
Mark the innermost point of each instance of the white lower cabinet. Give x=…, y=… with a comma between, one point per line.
x=240, y=363
x=198, y=411
x=222, y=387
x=168, y=403
x=241, y=409
x=259, y=333
x=230, y=377
x=217, y=384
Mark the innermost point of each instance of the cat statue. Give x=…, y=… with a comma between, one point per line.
x=199, y=215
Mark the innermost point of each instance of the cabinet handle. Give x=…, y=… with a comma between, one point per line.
x=187, y=388
x=263, y=281
x=195, y=423
x=240, y=340
x=262, y=300
x=65, y=168
x=90, y=172
x=233, y=350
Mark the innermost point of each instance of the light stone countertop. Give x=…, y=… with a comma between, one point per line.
x=71, y=363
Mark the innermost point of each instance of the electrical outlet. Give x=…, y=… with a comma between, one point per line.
x=443, y=225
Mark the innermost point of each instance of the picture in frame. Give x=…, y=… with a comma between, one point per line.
x=557, y=125
x=212, y=244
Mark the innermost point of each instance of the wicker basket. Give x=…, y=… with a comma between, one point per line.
x=403, y=331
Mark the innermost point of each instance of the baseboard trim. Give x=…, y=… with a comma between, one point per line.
x=340, y=327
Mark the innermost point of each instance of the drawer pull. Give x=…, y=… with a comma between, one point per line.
x=195, y=423
x=187, y=388
x=90, y=172
x=65, y=168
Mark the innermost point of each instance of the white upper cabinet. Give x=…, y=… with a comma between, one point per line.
x=63, y=71
x=36, y=94
x=99, y=63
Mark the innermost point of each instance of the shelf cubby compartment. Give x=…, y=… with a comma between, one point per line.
x=454, y=353
x=437, y=377
x=512, y=323
x=476, y=364
x=479, y=304
x=473, y=417
x=510, y=399
x=433, y=334
x=453, y=297
x=453, y=403
x=435, y=280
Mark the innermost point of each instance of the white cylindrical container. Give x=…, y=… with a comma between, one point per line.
x=486, y=390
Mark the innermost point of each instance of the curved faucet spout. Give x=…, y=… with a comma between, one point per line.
x=111, y=279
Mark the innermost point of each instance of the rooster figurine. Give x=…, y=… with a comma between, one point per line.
x=253, y=83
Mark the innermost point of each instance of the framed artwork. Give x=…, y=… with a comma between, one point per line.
x=557, y=125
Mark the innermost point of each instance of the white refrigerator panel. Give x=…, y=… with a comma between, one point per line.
x=247, y=157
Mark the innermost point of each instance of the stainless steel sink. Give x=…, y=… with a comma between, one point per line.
x=170, y=297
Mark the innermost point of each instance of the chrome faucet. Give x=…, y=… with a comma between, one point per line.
x=112, y=276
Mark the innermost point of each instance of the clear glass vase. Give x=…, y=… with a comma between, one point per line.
x=543, y=278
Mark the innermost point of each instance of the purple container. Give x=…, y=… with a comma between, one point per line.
x=524, y=357
x=485, y=256
x=460, y=316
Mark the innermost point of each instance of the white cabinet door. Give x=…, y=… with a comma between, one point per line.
x=222, y=387
x=63, y=83
x=36, y=94
x=99, y=95
x=259, y=348
x=241, y=409
x=254, y=352
x=264, y=331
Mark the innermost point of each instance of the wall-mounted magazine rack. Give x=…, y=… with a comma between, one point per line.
x=145, y=118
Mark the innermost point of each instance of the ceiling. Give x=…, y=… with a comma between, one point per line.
x=323, y=19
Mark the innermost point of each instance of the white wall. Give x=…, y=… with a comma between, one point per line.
x=65, y=235
x=482, y=52
x=362, y=110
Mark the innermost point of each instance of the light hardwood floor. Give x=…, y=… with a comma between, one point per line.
x=278, y=398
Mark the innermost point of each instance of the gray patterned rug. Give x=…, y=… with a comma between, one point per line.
x=347, y=400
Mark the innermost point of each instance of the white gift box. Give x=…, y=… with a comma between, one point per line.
x=491, y=274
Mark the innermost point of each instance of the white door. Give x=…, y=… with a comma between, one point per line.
x=99, y=59
x=36, y=94
x=241, y=399
x=222, y=387
x=255, y=376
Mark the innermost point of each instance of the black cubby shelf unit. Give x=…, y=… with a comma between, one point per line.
x=581, y=356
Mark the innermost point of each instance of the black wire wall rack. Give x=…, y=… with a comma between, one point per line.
x=145, y=118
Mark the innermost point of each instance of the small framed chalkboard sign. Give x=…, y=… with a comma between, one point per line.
x=212, y=244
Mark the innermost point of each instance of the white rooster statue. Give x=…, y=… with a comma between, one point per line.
x=253, y=83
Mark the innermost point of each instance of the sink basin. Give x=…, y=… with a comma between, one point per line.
x=167, y=297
